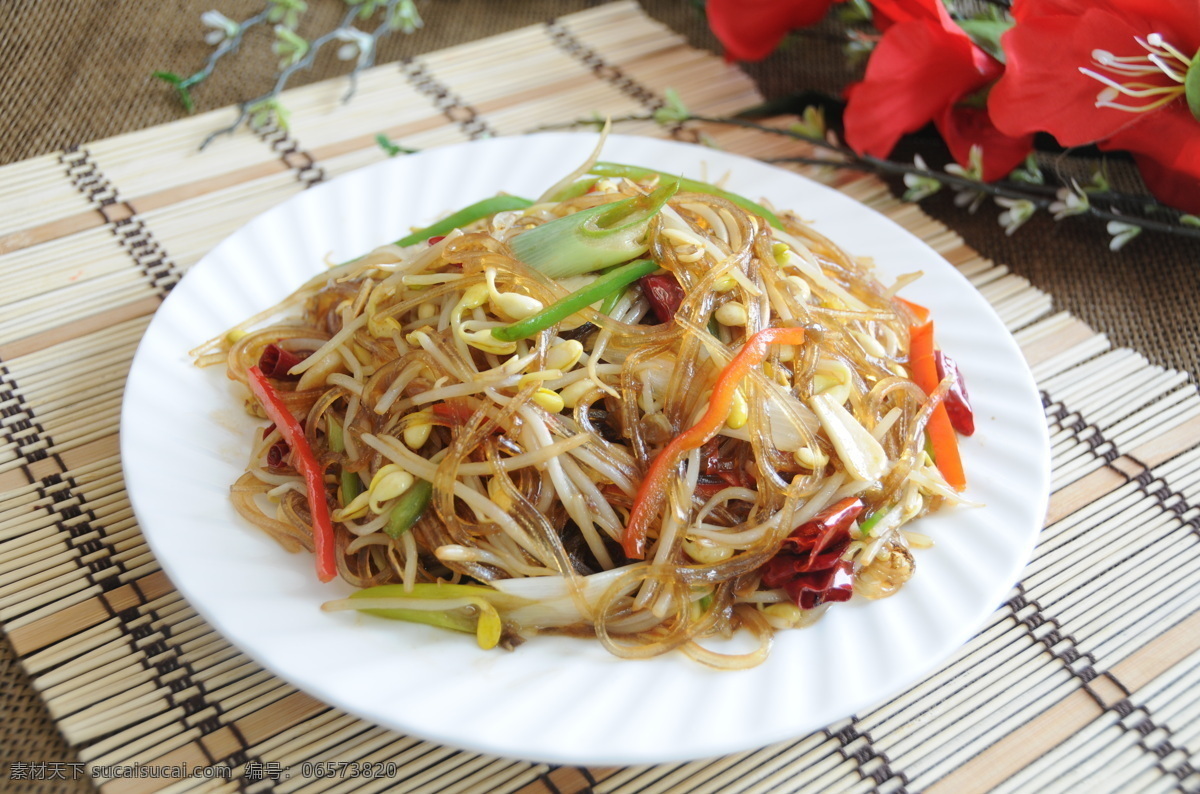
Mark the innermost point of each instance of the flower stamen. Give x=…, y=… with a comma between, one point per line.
x=1157, y=41
x=1161, y=58
x=1131, y=65
x=1167, y=68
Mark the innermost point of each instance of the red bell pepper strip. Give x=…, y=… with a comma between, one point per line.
x=314, y=476
x=939, y=429
x=653, y=490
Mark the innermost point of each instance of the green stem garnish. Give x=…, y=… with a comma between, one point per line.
x=869, y=524
x=591, y=239
x=484, y=623
x=575, y=189
x=409, y=508
x=611, y=301
x=351, y=484
x=610, y=283
x=690, y=185
x=467, y=215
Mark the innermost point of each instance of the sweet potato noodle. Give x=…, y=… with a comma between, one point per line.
x=486, y=484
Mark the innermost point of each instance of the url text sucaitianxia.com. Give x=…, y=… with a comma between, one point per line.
x=55, y=770
x=252, y=771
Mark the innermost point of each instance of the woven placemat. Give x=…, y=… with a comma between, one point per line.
x=1086, y=678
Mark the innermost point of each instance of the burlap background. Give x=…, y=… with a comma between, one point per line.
x=72, y=71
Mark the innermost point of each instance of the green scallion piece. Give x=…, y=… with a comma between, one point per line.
x=351, y=484
x=575, y=189
x=455, y=620
x=409, y=508
x=467, y=215
x=690, y=185
x=869, y=524
x=591, y=239
x=611, y=301
x=486, y=623
x=612, y=282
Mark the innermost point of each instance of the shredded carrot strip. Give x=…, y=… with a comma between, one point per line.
x=314, y=475
x=653, y=490
x=939, y=429
x=919, y=311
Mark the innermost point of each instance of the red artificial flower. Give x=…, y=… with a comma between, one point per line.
x=751, y=29
x=1108, y=72
x=925, y=68
x=885, y=13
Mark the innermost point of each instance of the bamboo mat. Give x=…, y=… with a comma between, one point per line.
x=1086, y=678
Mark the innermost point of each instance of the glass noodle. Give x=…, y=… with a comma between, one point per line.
x=485, y=484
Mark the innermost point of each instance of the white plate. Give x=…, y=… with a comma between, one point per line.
x=560, y=700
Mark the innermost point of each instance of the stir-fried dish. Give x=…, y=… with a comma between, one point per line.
x=640, y=409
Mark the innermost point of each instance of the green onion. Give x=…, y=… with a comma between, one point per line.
x=575, y=189
x=690, y=185
x=455, y=620
x=467, y=215
x=591, y=239
x=609, y=283
x=485, y=623
x=611, y=301
x=869, y=524
x=409, y=508
x=351, y=484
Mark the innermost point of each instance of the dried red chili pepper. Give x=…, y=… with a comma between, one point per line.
x=958, y=405
x=277, y=455
x=664, y=293
x=717, y=472
x=809, y=567
x=275, y=362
